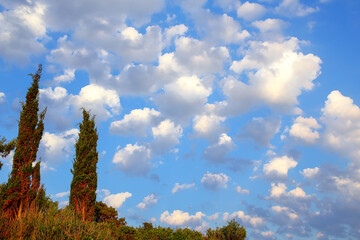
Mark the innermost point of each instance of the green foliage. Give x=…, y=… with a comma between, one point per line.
x=54, y=223
x=103, y=213
x=6, y=148
x=232, y=231
x=23, y=190
x=84, y=182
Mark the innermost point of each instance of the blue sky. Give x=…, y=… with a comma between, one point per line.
x=206, y=110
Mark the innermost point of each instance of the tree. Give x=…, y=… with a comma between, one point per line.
x=23, y=190
x=103, y=213
x=232, y=231
x=6, y=148
x=84, y=182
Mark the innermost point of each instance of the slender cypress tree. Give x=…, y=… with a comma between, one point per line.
x=84, y=182
x=23, y=188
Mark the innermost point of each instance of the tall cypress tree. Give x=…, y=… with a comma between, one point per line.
x=84, y=182
x=23, y=189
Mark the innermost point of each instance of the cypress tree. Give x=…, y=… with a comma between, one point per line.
x=84, y=182
x=23, y=191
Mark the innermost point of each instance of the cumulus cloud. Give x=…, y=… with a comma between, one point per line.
x=279, y=190
x=133, y=159
x=216, y=153
x=310, y=172
x=261, y=130
x=240, y=190
x=342, y=120
x=100, y=101
x=305, y=129
x=278, y=167
x=62, y=194
x=2, y=98
x=22, y=29
x=57, y=147
x=250, y=11
x=214, y=181
x=207, y=125
x=68, y=76
x=294, y=8
x=246, y=220
x=269, y=25
x=135, y=123
x=290, y=214
x=180, y=187
x=180, y=218
x=116, y=200
x=166, y=135
x=277, y=76
x=183, y=98
x=148, y=201
x=193, y=57
x=68, y=15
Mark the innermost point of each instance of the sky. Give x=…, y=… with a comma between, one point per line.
x=206, y=110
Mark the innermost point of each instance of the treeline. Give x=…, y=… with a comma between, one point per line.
x=27, y=213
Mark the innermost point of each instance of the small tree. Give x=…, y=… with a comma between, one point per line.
x=103, y=213
x=6, y=148
x=84, y=182
x=23, y=190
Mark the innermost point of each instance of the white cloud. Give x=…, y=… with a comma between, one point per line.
x=349, y=187
x=180, y=187
x=22, y=29
x=2, y=98
x=133, y=159
x=183, y=98
x=310, y=172
x=305, y=129
x=116, y=200
x=66, y=15
x=261, y=130
x=294, y=8
x=250, y=11
x=214, y=182
x=278, y=167
x=269, y=25
x=193, y=56
x=268, y=234
x=180, y=218
x=247, y=220
x=148, y=201
x=100, y=101
x=240, y=190
x=68, y=76
x=174, y=31
x=166, y=135
x=207, y=126
x=286, y=211
x=135, y=123
x=62, y=194
x=342, y=120
x=277, y=76
x=279, y=191
x=55, y=148
x=216, y=153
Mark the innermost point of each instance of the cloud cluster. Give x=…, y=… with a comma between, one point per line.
x=278, y=167
x=214, y=181
x=181, y=187
x=180, y=218
x=148, y=201
x=116, y=200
